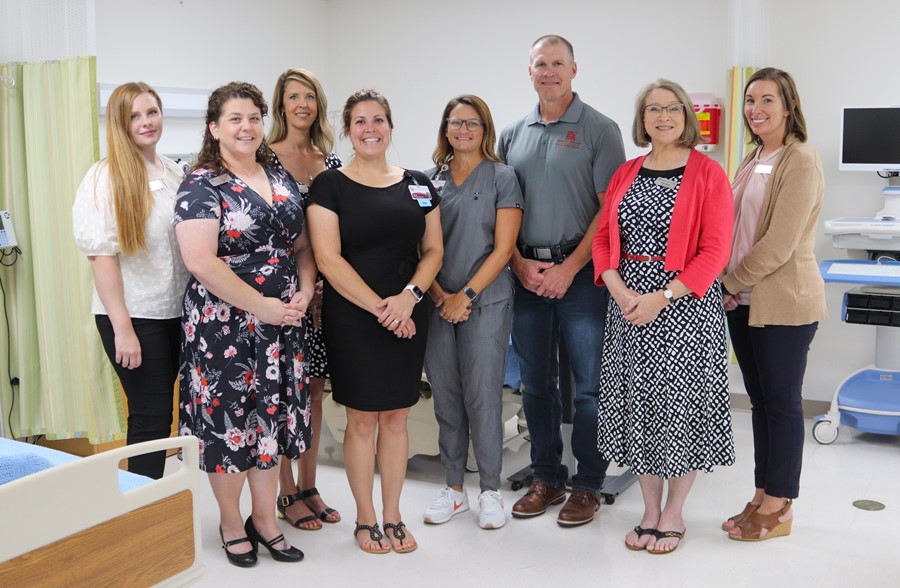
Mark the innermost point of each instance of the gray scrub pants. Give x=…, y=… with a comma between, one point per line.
x=466, y=364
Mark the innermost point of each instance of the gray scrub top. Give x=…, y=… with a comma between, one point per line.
x=561, y=167
x=468, y=218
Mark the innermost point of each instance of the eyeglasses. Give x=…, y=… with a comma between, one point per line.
x=672, y=109
x=456, y=123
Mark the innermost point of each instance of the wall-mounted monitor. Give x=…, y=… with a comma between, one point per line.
x=870, y=138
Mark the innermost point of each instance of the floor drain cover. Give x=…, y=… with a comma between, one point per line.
x=868, y=505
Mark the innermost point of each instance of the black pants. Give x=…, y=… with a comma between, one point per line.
x=773, y=363
x=148, y=388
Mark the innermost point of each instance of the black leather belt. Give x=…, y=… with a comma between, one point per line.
x=555, y=253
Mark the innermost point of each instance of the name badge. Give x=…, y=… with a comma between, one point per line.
x=438, y=186
x=156, y=185
x=421, y=194
x=219, y=180
x=762, y=168
x=669, y=183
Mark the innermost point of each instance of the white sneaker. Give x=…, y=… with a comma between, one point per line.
x=492, y=515
x=447, y=502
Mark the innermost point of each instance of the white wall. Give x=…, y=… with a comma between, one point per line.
x=203, y=44
x=471, y=46
x=419, y=53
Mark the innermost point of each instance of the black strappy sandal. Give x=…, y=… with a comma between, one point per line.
x=323, y=516
x=285, y=501
x=399, y=534
x=375, y=534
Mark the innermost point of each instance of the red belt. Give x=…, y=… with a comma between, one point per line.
x=644, y=258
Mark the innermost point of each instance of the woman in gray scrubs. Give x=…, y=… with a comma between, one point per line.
x=471, y=315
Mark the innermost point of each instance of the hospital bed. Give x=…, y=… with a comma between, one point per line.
x=83, y=522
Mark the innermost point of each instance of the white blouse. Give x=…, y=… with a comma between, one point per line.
x=155, y=278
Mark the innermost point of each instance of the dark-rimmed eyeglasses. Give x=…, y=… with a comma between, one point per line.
x=456, y=123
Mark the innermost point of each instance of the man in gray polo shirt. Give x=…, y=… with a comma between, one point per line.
x=564, y=154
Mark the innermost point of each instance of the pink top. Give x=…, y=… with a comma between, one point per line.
x=749, y=189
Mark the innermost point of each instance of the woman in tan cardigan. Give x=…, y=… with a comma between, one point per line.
x=775, y=294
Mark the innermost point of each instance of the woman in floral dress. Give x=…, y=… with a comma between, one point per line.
x=240, y=225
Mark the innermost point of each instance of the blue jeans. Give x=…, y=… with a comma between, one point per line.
x=581, y=315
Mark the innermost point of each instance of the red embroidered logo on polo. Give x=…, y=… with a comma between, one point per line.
x=570, y=141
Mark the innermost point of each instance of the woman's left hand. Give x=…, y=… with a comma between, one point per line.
x=405, y=329
x=395, y=309
x=730, y=302
x=456, y=308
x=299, y=302
x=644, y=308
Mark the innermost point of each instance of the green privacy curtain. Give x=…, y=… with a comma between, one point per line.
x=736, y=141
x=48, y=140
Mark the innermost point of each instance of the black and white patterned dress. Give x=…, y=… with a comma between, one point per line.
x=664, y=404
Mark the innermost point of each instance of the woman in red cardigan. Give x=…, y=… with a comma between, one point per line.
x=664, y=237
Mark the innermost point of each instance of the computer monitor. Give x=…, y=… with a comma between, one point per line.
x=870, y=138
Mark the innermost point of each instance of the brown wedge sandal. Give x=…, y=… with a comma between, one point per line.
x=739, y=518
x=752, y=527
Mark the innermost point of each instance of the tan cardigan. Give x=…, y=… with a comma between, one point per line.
x=781, y=266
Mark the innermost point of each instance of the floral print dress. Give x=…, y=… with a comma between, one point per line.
x=244, y=382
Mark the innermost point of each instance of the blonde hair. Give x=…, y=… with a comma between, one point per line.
x=128, y=177
x=321, y=133
x=690, y=136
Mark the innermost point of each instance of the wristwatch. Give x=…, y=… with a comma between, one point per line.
x=470, y=294
x=670, y=296
x=416, y=291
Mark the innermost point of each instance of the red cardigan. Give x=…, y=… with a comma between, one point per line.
x=700, y=234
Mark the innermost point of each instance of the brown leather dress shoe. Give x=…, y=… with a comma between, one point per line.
x=537, y=499
x=580, y=509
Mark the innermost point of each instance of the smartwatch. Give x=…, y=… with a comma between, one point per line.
x=470, y=294
x=416, y=291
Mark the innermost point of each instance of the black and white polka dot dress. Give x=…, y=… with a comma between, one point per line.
x=664, y=404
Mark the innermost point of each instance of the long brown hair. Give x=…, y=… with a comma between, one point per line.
x=128, y=177
x=210, y=157
x=444, y=150
x=321, y=133
x=796, y=122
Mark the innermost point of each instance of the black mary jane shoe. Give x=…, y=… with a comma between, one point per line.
x=242, y=560
x=290, y=554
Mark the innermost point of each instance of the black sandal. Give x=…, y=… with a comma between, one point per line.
x=323, y=516
x=285, y=501
x=640, y=533
x=399, y=535
x=375, y=534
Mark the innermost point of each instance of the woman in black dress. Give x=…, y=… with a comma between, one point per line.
x=377, y=238
x=239, y=223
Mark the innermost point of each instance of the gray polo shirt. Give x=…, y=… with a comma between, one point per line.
x=561, y=167
x=468, y=218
